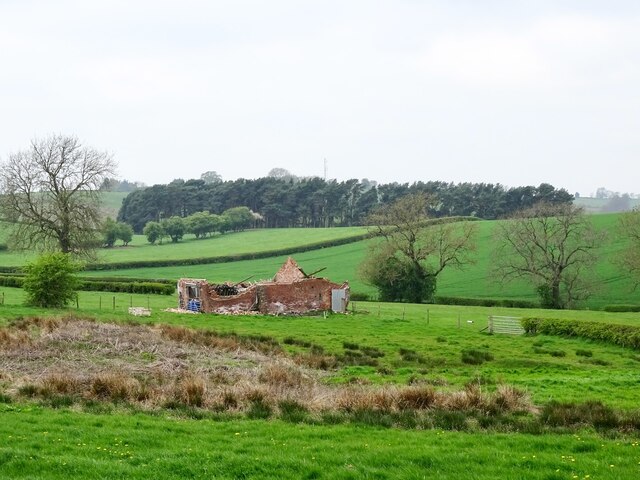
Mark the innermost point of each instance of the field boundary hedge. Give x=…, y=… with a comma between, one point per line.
x=486, y=302
x=146, y=287
x=225, y=258
x=622, y=335
x=621, y=308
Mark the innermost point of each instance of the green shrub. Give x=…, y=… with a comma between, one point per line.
x=50, y=281
x=3, y=247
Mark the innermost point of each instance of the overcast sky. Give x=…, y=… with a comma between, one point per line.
x=501, y=91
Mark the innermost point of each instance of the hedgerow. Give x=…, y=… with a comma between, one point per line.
x=164, y=287
x=622, y=335
x=486, y=302
x=621, y=308
x=225, y=258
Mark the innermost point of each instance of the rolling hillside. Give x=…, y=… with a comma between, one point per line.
x=251, y=241
x=342, y=264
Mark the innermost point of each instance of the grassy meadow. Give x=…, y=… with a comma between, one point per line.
x=416, y=345
x=419, y=343
x=39, y=442
x=251, y=241
x=299, y=426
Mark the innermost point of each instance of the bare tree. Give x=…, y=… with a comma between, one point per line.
x=416, y=249
x=629, y=227
x=50, y=193
x=552, y=246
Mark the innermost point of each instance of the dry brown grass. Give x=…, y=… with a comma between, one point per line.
x=61, y=383
x=191, y=391
x=158, y=366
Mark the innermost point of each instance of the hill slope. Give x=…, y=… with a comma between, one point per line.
x=476, y=280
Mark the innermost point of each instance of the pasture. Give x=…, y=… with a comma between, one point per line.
x=210, y=396
x=251, y=241
x=341, y=262
x=377, y=348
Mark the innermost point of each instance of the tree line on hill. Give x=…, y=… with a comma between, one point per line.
x=314, y=202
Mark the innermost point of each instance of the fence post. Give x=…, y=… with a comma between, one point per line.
x=148, y=303
x=404, y=309
x=114, y=302
x=100, y=302
x=427, y=316
x=458, y=320
x=131, y=300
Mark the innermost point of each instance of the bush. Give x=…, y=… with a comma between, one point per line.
x=50, y=281
x=622, y=335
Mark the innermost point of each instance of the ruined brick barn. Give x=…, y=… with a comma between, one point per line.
x=291, y=291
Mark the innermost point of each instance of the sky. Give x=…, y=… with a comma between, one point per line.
x=516, y=92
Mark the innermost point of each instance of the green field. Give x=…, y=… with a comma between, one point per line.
x=391, y=327
x=118, y=441
x=252, y=241
x=111, y=203
x=475, y=281
x=59, y=444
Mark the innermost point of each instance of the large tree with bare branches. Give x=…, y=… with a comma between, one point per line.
x=50, y=193
x=414, y=249
x=554, y=247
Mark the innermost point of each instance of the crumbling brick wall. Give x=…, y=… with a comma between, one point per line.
x=242, y=302
x=307, y=295
x=312, y=294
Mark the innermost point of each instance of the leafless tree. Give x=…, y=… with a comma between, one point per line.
x=629, y=227
x=554, y=247
x=50, y=194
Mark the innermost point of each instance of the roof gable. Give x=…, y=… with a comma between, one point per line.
x=289, y=272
